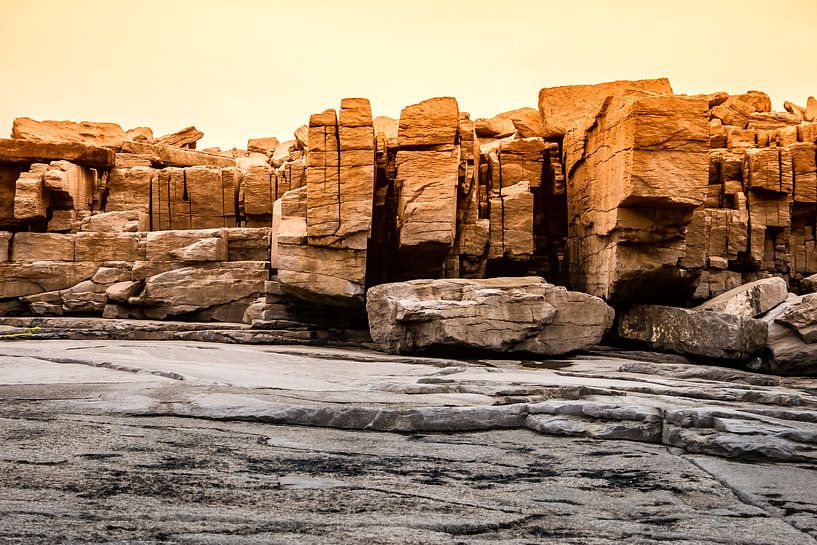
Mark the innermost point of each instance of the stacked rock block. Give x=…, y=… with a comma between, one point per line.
x=526, y=198
x=53, y=175
x=467, y=258
x=323, y=235
x=426, y=183
x=622, y=190
x=637, y=169
x=93, y=223
x=204, y=275
x=760, y=214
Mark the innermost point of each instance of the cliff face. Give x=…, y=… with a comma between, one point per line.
x=621, y=190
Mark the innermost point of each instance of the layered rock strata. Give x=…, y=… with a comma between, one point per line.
x=523, y=314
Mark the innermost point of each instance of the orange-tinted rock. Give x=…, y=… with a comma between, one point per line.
x=25, y=152
x=560, y=107
x=429, y=123
x=106, y=135
x=185, y=138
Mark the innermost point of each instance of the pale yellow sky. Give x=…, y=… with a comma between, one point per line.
x=240, y=69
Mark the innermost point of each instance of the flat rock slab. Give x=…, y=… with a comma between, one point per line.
x=25, y=152
x=171, y=480
x=697, y=408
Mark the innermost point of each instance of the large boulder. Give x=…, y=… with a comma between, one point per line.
x=694, y=332
x=750, y=300
x=801, y=316
x=524, y=314
x=791, y=349
x=197, y=288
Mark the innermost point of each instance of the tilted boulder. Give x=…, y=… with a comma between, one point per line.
x=791, y=349
x=694, y=332
x=750, y=300
x=524, y=314
x=801, y=316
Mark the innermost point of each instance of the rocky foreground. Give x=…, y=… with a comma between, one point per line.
x=185, y=442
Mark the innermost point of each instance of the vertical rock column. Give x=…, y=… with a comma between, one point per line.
x=636, y=171
x=468, y=257
x=328, y=265
x=426, y=181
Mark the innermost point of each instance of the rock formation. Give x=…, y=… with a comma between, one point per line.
x=624, y=191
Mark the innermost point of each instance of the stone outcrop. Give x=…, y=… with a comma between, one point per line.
x=523, y=314
x=322, y=239
x=636, y=171
x=694, y=332
x=622, y=190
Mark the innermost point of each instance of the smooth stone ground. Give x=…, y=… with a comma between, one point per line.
x=95, y=449
x=606, y=394
x=173, y=480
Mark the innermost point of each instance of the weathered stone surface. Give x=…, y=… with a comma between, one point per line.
x=70, y=186
x=31, y=200
x=8, y=183
x=788, y=351
x=635, y=173
x=811, y=109
x=281, y=153
x=172, y=156
x=161, y=244
x=333, y=276
x=206, y=249
x=129, y=189
x=140, y=134
x=263, y=145
x=191, y=289
x=512, y=232
x=5, y=245
x=125, y=221
x=733, y=433
x=737, y=109
x=87, y=296
x=809, y=283
x=340, y=176
x=102, y=247
x=596, y=420
x=749, y=300
x=19, y=279
x=185, y=138
x=429, y=123
x=698, y=333
x=560, y=107
x=427, y=204
x=498, y=314
x=801, y=316
x=248, y=244
x=105, y=135
x=120, y=292
x=494, y=127
x=43, y=247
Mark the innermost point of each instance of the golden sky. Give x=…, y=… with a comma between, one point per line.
x=240, y=69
